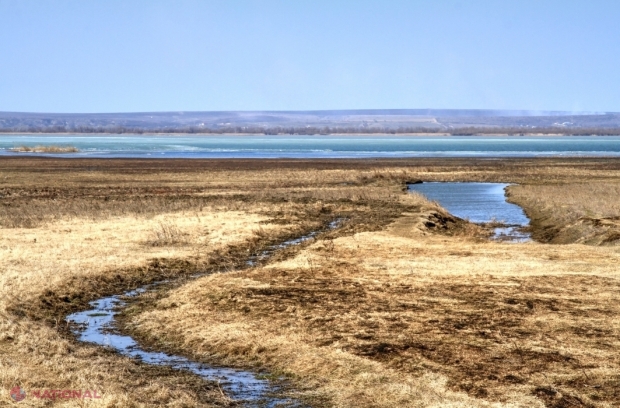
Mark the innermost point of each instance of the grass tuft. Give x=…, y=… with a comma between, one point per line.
x=167, y=234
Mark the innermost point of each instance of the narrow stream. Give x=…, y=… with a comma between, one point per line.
x=97, y=325
x=479, y=203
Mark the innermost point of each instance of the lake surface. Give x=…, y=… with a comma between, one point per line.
x=479, y=203
x=350, y=146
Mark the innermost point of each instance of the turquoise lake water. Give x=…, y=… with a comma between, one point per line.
x=261, y=146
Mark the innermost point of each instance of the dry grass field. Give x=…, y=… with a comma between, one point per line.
x=383, y=311
x=63, y=263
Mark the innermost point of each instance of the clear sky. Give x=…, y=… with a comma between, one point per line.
x=155, y=55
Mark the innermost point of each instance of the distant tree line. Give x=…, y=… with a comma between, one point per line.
x=282, y=130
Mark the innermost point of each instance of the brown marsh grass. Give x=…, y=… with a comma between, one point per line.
x=166, y=234
x=586, y=212
x=407, y=318
x=45, y=149
x=385, y=311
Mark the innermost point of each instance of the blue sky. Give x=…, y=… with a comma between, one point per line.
x=122, y=56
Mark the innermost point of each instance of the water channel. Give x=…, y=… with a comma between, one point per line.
x=97, y=325
x=479, y=203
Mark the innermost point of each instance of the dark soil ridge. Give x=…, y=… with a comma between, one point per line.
x=149, y=166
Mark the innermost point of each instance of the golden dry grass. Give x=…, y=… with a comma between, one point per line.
x=34, y=261
x=382, y=312
x=383, y=319
x=68, y=237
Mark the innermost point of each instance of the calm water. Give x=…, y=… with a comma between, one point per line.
x=260, y=146
x=478, y=203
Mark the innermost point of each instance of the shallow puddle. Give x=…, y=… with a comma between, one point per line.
x=479, y=203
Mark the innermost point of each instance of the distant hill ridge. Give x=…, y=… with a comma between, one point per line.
x=318, y=121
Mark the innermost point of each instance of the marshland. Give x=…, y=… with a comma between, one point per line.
x=402, y=304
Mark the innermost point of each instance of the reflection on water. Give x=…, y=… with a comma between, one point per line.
x=479, y=203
